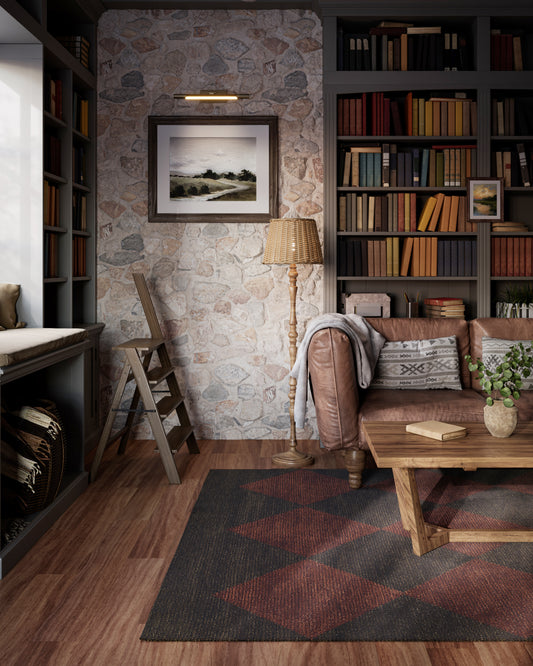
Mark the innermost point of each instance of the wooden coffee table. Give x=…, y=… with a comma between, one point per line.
x=393, y=447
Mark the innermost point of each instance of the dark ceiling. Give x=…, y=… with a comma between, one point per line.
x=208, y=4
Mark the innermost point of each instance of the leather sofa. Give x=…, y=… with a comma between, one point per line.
x=341, y=405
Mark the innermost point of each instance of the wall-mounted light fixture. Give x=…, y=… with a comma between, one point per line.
x=211, y=96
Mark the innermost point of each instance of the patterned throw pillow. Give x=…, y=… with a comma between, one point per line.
x=494, y=349
x=418, y=364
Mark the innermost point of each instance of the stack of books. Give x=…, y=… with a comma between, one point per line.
x=444, y=307
x=510, y=227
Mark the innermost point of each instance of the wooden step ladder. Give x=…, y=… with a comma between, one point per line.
x=139, y=354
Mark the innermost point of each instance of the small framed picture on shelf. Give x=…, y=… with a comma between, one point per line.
x=485, y=199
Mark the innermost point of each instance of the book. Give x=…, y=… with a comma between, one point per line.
x=436, y=430
x=444, y=309
x=524, y=170
x=443, y=300
x=432, y=226
x=406, y=255
x=426, y=213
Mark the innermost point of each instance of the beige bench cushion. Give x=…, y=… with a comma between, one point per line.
x=21, y=344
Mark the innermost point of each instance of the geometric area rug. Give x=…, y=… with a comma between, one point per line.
x=295, y=555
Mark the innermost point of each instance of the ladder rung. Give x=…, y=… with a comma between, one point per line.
x=168, y=404
x=158, y=374
x=177, y=436
x=142, y=344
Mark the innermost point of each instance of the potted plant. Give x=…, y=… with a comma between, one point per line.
x=517, y=303
x=502, y=385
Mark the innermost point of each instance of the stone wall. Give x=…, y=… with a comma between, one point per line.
x=225, y=313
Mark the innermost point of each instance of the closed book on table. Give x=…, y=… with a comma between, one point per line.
x=436, y=430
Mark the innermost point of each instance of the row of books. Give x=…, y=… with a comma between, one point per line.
x=414, y=256
x=378, y=114
x=429, y=256
x=397, y=212
x=445, y=213
x=444, y=307
x=506, y=52
x=50, y=255
x=387, y=166
x=79, y=47
x=50, y=204
x=401, y=48
x=79, y=253
x=53, y=96
x=79, y=211
x=512, y=116
x=52, y=154
x=80, y=114
x=512, y=257
x=514, y=166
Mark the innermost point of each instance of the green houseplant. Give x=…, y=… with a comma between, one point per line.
x=517, y=302
x=502, y=385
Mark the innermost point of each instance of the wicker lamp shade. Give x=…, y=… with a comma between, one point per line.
x=292, y=240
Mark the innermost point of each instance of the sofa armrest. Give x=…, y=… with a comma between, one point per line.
x=334, y=388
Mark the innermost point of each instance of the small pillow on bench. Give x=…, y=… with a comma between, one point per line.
x=418, y=364
x=9, y=295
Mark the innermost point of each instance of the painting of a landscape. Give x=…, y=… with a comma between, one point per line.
x=485, y=198
x=213, y=168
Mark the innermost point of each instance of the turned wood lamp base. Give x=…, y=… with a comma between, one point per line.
x=292, y=458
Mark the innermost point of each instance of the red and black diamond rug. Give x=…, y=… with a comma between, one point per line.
x=295, y=555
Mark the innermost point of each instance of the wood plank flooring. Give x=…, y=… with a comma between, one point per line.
x=83, y=593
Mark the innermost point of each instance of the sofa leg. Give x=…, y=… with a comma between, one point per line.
x=354, y=460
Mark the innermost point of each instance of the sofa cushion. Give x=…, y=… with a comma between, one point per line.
x=21, y=344
x=493, y=351
x=418, y=364
x=412, y=405
x=422, y=328
x=525, y=407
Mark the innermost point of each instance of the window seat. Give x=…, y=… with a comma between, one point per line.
x=22, y=344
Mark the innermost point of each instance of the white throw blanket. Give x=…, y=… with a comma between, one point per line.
x=366, y=344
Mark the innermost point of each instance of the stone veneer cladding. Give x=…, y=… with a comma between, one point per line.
x=225, y=313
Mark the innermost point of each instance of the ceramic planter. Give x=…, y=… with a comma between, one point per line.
x=500, y=420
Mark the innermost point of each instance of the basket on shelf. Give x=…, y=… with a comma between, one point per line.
x=33, y=450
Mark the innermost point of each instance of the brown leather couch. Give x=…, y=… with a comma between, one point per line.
x=341, y=405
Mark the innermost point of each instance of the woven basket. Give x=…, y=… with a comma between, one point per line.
x=42, y=448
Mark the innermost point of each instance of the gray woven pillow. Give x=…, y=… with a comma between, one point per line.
x=494, y=349
x=418, y=364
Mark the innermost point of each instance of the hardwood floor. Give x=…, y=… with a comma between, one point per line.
x=83, y=593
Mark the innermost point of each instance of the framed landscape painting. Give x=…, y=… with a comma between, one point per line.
x=212, y=168
x=485, y=199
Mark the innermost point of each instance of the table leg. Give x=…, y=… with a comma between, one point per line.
x=424, y=537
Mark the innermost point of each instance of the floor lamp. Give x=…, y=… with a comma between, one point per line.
x=292, y=241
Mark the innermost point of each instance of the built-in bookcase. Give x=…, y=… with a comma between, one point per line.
x=412, y=111
x=48, y=226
